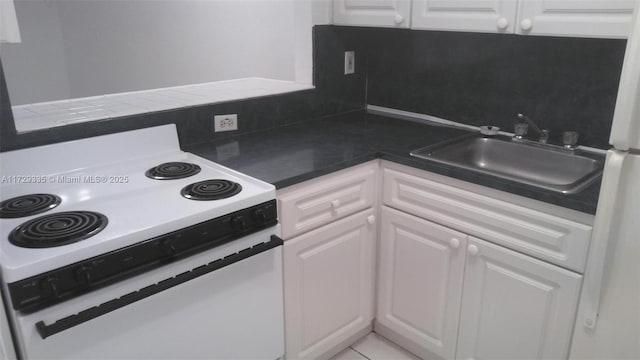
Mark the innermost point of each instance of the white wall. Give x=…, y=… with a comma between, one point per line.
x=306, y=14
x=105, y=46
x=37, y=67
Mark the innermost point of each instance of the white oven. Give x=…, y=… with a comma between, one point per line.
x=230, y=311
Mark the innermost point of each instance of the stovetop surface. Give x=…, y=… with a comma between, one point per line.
x=137, y=207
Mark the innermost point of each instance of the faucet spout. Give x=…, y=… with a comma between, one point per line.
x=544, y=134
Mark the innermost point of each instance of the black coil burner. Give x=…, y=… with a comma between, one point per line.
x=27, y=205
x=211, y=190
x=172, y=170
x=58, y=229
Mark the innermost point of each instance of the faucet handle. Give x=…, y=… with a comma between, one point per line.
x=544, y=137
x=570, y=139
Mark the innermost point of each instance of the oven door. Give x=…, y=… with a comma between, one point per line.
x=231, y=311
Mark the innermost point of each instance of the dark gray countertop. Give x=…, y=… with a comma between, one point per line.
x=291, y=154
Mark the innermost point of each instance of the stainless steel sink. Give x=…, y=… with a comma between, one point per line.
x=538, y=165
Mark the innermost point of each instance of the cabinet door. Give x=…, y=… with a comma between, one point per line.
x=514, y=306
x=465, y=15
x=420, y=282
x=382, y=13
x=588, y=18
x=328, y=285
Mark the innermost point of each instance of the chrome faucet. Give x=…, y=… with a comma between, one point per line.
x=544, y=134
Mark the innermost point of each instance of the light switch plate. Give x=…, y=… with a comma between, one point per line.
x=349, y=62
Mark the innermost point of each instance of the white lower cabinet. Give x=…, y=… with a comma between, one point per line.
x=329, y=285
x=442, y=292
x=439, y=287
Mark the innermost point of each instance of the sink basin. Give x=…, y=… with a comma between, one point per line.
x=533, y=164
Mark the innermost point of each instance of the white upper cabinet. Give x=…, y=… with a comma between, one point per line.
x=575, y=18
x=381, y=13
x=582, y=18
x=465, y=15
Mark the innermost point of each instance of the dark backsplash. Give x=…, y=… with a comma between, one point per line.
x=486, y=79
x=473, y=78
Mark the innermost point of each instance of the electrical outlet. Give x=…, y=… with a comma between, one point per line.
x=349, y=62
x=225, y=122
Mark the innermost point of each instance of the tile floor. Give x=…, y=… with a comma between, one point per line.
x=374, y=347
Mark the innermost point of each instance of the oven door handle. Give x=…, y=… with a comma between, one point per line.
x=89, y=314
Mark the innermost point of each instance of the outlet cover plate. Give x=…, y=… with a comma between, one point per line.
x=227, y=122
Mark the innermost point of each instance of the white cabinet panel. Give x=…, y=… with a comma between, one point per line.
x=420, y=281
x=382, y=13
x=328, y=276
x=588, y=18
x=465, y=15
x=317, y=202
x=515, y=307
x=555, y=239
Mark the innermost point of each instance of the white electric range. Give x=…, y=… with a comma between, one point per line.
x=124, y=246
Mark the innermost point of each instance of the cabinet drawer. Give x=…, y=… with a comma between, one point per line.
x=557, y=240
x=311, y=204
